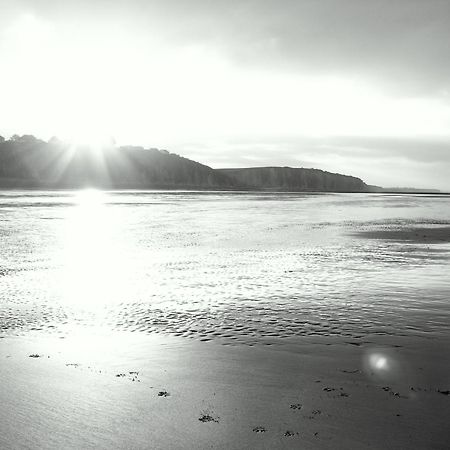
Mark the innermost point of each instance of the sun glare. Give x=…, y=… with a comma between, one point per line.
x=91, y=264
x=88, y=138
x=89, y=198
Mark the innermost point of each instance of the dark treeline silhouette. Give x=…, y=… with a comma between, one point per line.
x=28, y=162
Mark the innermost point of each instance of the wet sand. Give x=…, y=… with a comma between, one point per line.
x=124, y=390
x=415, y=235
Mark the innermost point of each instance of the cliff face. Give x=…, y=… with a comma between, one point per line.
x=27, y=162
x=295, y=179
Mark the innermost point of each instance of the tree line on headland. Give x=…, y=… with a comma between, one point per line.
x=30, y=163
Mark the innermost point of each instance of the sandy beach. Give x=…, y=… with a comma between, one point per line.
x=123, y=390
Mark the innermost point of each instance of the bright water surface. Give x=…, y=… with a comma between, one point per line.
x=240, y=268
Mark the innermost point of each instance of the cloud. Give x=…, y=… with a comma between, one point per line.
x=423, y=150
x=402, y=45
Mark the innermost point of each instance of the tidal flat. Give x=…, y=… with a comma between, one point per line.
x=224, y=320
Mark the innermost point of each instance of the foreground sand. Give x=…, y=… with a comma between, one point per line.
x=162, y=392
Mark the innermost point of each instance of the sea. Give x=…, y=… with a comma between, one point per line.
x=236, y=268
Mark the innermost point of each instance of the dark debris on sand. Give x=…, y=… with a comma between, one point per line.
x=134, y=376
x=207, y=417
x=291, y=433
x=259, y=430
x=350, y=371
x=391, y=392
x=296, y=406
x=163, y=394
x=444, y=392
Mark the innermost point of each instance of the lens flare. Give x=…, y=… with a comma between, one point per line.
x=379, y=362
x=382, y=364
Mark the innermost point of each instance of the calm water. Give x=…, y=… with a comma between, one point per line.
x=240, y=268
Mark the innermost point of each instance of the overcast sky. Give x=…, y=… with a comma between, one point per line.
x=351, y=86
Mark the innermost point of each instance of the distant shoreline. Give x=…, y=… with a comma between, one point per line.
x=30, y=163
x=202, y=189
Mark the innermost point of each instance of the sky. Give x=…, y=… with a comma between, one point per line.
x=349, y=86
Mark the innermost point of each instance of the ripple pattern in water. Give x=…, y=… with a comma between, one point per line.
x=239, y=268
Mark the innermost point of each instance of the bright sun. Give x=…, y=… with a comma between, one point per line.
x=89, y=138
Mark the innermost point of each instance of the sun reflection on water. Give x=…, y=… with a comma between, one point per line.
x=91, y=274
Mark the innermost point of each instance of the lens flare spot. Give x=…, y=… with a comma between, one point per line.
x=379, y=362
x=384, y=364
